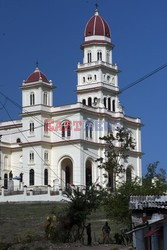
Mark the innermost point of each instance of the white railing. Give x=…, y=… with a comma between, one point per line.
x=149, y=201
x=113, y=66
x=28, y=194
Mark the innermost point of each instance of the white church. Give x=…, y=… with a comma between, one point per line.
x=59, y=145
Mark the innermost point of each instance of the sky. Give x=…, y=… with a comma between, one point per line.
x=51, y=32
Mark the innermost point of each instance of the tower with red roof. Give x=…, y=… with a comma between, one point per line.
x=97, y=75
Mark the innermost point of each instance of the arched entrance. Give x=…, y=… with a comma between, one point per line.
x=66, y=173
x=88, y=173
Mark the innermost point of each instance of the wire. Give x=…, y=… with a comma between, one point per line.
x=42, y=124
x=31, y=145
x=142, y=78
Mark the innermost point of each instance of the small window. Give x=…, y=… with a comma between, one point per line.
x=89, y=57
x=84, y=79
x=89, y=129
x=32, y=98
x=108, y=78
x=18, y=140
x=45, y=177
x=31, y=157
x=45, y=98
x=46, y=127
x=31, y=127
x=95, y=100
x=66, y=129
x=129, y=174
x=21, y=177
x=31, y=177
x=99, y=56
x=105, y=102
x=46, y=156
x=5, y=181
x=113, y=105
x=90, y=101
x=84, y=102
x=109, y=104
x=89, y=78
x=63, y=130
x=95, y=77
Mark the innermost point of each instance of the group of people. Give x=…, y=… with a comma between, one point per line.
x=105, y=230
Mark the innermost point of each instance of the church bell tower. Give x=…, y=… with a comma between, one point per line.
x=97, y=75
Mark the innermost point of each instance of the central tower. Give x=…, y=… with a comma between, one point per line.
x=97, y=75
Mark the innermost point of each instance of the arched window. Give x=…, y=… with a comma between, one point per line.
x=88, y=173
x=95, y=77
x=63, y=130
x=31, y=157
x=99, y=56
x=84, y=102
x=18, y=140
x=31, y=127
x=113, y=105
x=21, y=177
x=45, y=98
x=89, y=56
x=66, y=129
x=89, y=129
x=46, y=127
x=46, y=156
x=45, y=177
x=31, y=177
x=105, y=102
x=95, y=100
x=90, y=101
x=109, y=103
x=84, y=79
x=129, y=174
x=6, y=181
x=32, y=98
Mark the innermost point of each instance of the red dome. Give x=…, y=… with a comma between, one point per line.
x=36, y=76
x=96, y=26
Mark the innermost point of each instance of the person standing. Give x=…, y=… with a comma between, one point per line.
x=106, y=232
x=89, y=237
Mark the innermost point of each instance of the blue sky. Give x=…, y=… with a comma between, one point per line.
x=51, y=31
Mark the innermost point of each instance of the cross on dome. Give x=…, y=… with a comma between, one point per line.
x=96, y=10
x=36, y=76
x=97, y=26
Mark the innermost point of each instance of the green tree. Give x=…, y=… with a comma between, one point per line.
x=71, y=221
x=153, y=183
x=118, y=146
x=82, y=205
x=117, y=203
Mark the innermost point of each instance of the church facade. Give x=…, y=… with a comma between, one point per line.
x=58, y=146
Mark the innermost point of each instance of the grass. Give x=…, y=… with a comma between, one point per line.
x=26, y=222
